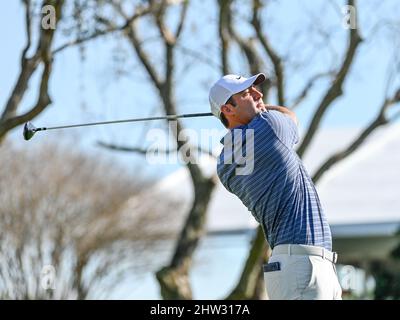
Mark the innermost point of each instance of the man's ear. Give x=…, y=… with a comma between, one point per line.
x=227, y=109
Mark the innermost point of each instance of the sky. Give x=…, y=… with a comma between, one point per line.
x=87, y=90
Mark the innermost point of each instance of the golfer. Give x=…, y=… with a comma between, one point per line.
x=278, y=191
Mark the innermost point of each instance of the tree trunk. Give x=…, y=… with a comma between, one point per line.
x=174, y=278
x=248, y=286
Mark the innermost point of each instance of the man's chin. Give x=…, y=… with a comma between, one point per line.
x=261, y=106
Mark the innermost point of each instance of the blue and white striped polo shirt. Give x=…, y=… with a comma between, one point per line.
x=279, y=192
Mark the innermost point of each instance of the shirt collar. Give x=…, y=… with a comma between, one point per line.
x=243, y=126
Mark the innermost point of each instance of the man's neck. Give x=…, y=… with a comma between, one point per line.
x=233, y=123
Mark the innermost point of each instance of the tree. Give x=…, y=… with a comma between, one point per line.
x=173, y=278
x=67, y=20
x=72, y=226
x=29, y=65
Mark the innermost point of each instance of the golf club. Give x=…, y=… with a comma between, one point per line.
x=30, y=129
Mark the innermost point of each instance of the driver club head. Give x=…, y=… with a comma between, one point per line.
x=29, y=130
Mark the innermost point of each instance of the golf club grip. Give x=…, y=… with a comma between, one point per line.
x=193, y=115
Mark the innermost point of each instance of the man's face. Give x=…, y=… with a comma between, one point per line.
x=248, y=104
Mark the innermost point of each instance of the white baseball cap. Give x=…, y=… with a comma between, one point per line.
x=229, y=85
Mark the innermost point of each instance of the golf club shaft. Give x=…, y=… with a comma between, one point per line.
x=168, y=117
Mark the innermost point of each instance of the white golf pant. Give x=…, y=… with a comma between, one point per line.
x=299, y=272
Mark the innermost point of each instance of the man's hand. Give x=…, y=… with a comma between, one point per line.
x=284, y=110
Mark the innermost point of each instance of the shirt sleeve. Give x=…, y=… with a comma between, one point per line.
x=284, y=127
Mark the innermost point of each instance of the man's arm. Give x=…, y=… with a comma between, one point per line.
x=284, y=110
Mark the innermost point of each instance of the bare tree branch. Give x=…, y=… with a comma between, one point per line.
x=273, y=55
x=170, y=39
x=28, y=66
x=182, y=19
x=335, y=90
x=28, y=22
x=133, y=38
x=199, y=56
x=42, y=102
x=139, y=12
x=307, y=88
x=223, y=22
x=115, y=147
x=86, y=39
x=379, y=121
x=159, y=15
x=253, y=58
x=143, y=151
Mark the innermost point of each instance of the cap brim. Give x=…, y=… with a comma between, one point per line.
x=259, y=78
x=254, y=80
